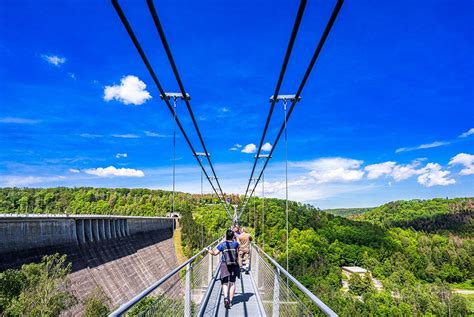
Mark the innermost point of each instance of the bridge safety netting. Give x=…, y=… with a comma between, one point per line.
x=181, y=292
x=276, y=296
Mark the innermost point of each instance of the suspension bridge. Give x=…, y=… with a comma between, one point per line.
x=193, y=288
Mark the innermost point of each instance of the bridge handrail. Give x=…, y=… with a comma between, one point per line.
x=125, y=307
x=207, y=295
x=324, y=308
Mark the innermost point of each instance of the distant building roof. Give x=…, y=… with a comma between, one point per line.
x=354, y=269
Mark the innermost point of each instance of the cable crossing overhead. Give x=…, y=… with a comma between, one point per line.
x=198, y=275
x=295, y=99
x=164, y=41
x=175, y=97
x=286, y=59
x=166, y=96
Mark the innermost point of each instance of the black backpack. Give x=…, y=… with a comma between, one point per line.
x=230, y=255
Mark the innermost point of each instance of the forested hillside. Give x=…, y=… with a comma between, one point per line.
x=346, y=212
x=106, y=201
x=416, y=268
x=434, y=215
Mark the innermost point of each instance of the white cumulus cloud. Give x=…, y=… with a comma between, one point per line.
x=333, y=169
x=380, y=169
x=113, y=171
x=267, y=147
x=249, y=148
x=401, y=172
x=54, y=59
x=74, y=170
x=397, y=171
x=130, y=91
x=428, y=176
x=433, y=175
x=466, y=160
x=280, y=186
x=304, y=188
x=467, y=133
x=121, y=155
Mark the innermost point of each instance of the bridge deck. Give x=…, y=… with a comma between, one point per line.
x=246, y=301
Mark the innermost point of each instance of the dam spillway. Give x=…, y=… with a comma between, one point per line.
x=121, y=255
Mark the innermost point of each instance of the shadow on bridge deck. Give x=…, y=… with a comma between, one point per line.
x=246, y=301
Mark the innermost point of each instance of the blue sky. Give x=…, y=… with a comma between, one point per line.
x=387, y=113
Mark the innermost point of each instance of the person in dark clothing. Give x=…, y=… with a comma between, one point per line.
x=229, y=266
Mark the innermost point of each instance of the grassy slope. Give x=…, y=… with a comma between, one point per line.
x=178, y=246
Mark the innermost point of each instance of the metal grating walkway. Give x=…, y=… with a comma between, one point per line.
x=246, y=301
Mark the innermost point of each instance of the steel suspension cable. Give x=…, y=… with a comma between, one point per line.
x=286, y=187
x=263, y=212
x=164, y=41
x=254, y=216
x=174, y=153
x=286, y=59
x=318, y=49
x=248, y=219
x=152, y=73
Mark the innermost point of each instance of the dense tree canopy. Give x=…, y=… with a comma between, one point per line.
x=345, y=212
x=36, y=289
x=416, y=248
x=434, y=215
x=415, y=267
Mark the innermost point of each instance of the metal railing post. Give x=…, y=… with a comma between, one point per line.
x=257, y=258
x=187, y=292
x=322, y=306
x=276, y=294
x=202, y=308
x=210, y=267
x=128, y=305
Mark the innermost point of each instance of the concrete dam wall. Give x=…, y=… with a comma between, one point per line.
x=121, y=255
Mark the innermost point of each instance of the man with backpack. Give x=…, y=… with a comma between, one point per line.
x=230, y=269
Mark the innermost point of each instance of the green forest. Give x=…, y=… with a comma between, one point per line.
x=421, y=250
x=346, y=212
x=435, y=215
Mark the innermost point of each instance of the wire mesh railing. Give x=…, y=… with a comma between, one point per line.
x=276, y=298
x=179, y=293
x=185, y=291
x=275, y=293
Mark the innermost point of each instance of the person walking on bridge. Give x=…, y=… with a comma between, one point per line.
x=236, y=231
x=230, y=269
x=244, y=240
